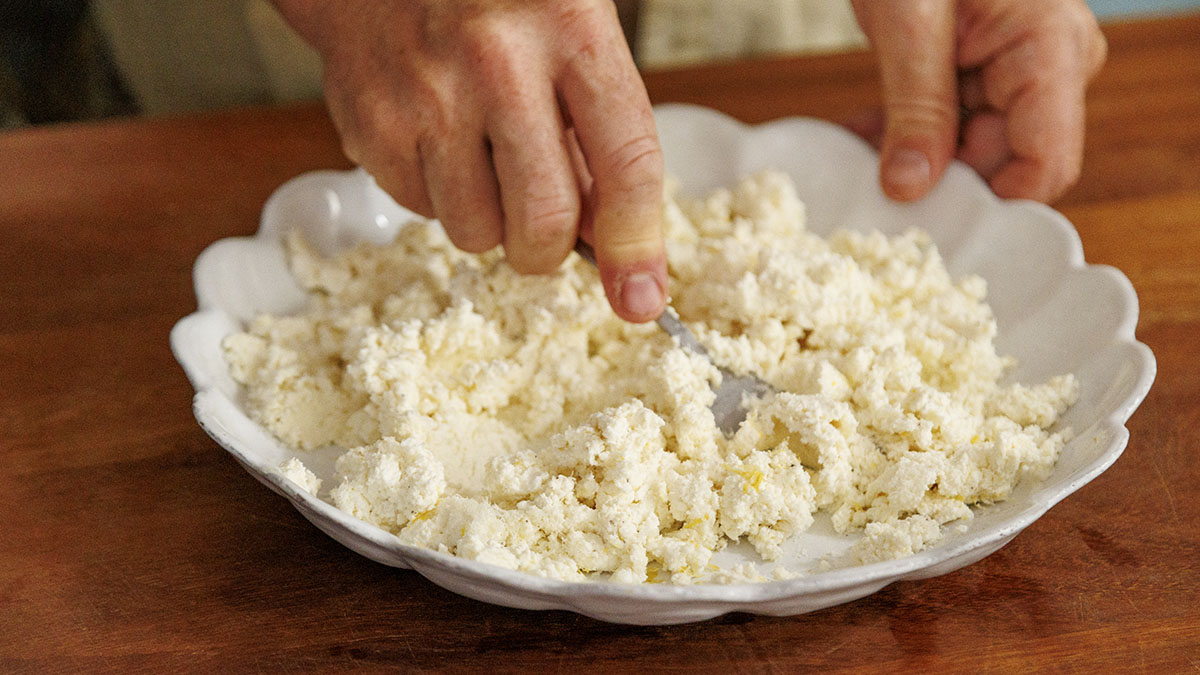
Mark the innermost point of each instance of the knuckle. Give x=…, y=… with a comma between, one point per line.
x=1084, y=45
x=578, y=20
x=435, y=116
x=485, y=47
x=1024, y=66
x=632, y=245
x=547, y=219
x=442, y=26
x=495, y=55
x=385, y=132
x=587, y=52
x=593, y=34
x=927, y=112
x=909, y=118
x=636, y=166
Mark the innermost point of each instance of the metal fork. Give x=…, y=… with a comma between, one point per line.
x=728, y=408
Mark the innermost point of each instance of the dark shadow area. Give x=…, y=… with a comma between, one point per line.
x=54, y=65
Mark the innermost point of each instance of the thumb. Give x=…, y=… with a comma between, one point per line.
x=914, y=42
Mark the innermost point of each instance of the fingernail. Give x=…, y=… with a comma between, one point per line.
x=641, y=295
x=908, y=169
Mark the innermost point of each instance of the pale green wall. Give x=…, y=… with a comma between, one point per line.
x=1116, y=8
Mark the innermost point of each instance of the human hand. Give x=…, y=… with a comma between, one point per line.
x=516, y=122
x=998, y=84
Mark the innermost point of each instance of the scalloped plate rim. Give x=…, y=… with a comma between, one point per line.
x=717, y=598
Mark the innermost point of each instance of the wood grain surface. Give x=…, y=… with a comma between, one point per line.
x=130, y=542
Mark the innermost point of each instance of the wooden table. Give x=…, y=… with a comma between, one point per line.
x=130, y=541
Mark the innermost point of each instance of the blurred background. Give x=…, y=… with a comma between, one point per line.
x=70, y=60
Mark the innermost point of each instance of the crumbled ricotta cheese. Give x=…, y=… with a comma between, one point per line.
x=515, y=420
x=295, y=471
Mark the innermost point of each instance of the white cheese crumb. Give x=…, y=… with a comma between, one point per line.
x=884, y=540
x=515, y=420
x=295, y=471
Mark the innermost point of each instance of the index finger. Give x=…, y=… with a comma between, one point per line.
x=613, y=121
x=914, y=44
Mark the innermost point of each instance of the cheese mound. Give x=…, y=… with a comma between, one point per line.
x=515, y=420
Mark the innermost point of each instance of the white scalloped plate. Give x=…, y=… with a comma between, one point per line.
x=1056, y=314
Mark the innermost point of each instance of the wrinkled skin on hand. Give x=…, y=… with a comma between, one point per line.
x=998, y=84
x=525, y=122
x=515, y=122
